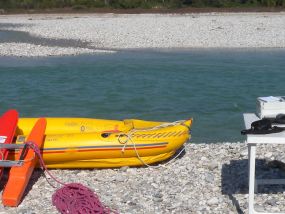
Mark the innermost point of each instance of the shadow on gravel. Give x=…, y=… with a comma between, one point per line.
x=34, y=178
x=235, y=178
x=4, y=178
x=177, y=155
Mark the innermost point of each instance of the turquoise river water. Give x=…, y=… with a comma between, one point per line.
x=213, y=86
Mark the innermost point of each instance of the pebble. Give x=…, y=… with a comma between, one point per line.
x=158, y=195
x=158, y=199
x=244, y=153
x=259, y=208
x=124, y=168
x=213, y=165
x=209, y=177
x=213, y=201
x=268, y=155
x=120, y=178
x=271, y=202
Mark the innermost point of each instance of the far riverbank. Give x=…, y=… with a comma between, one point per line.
x=112, y=32
x=183, y=10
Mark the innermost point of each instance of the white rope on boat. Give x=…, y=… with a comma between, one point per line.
x=129, y=139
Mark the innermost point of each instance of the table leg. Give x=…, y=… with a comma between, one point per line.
x=251, y=154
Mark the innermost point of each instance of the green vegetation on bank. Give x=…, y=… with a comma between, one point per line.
x=128, y=4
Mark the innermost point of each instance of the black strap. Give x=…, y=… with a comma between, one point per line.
x=24, y=152
x=280, y=118
x=263, y=126
x=274, y=129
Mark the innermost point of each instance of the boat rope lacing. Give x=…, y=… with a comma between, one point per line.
x=128, y=138
x=73, y=197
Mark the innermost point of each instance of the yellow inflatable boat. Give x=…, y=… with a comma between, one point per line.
x=95, y=143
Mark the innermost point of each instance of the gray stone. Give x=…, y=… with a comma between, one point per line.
x=244, y=153
x=124, y=168
x=268, y=154
x=157, y=199
x=209, y=177
x=259, y=208
x=272, y=202
x=26, y=211
x=158, y=195
x=213, y=201
x=213, y=165
x=120, y=178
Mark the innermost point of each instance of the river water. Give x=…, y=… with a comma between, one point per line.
x=214, y=86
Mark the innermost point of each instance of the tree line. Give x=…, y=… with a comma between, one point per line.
x=128, y=4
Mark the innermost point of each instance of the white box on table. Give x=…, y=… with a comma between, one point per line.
x=269, y=107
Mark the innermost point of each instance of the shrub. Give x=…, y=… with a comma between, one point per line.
x=79, y=7
x=175, y=3
x=126, y=4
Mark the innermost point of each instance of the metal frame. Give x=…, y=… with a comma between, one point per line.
x=252, y=141
x=10, y=163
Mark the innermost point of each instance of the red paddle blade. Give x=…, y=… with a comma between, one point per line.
x=8, y=126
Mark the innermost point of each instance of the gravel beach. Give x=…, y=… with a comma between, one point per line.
x=207, y=178
x=132, y=31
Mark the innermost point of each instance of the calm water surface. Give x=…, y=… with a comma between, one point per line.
x=213, y=86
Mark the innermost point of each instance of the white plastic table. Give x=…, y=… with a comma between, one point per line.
x=252, y=141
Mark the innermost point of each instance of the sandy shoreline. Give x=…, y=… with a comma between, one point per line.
x=132, y=31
